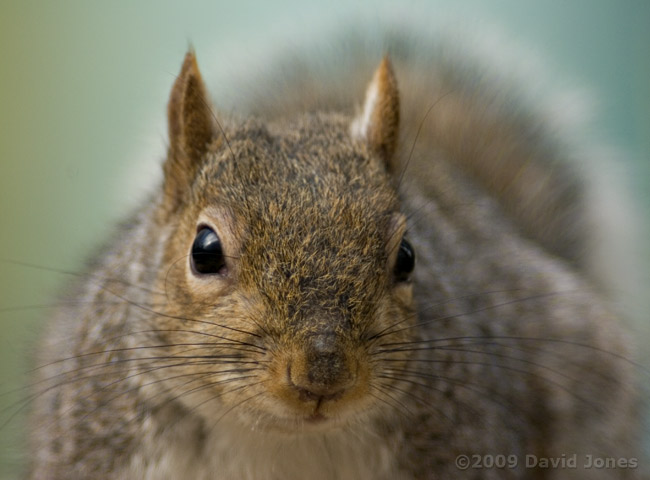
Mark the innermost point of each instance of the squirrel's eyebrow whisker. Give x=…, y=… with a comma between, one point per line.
x=417, y=135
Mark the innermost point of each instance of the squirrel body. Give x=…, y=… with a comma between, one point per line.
x=262, y=315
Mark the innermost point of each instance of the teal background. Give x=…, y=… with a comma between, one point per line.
x=83, y=89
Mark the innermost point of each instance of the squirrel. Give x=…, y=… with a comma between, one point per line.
x=332, y=284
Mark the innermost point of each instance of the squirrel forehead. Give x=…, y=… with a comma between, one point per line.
x=288, y=168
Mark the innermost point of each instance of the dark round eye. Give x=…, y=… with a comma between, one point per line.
x=207, y=255
x=405, y=261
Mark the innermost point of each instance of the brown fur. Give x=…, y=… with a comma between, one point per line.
x=305, y=357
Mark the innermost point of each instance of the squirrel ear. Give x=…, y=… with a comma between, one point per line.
x=191, y=127
x=378, y=123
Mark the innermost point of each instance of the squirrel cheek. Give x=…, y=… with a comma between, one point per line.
x=403, y=293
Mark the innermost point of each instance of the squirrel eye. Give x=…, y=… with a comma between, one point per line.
x=405, y=261
x=207, y=255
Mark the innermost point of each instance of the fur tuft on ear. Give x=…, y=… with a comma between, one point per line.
x=378, y=123
x=191, y=126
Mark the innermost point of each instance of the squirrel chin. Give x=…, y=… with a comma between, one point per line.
x=316, y=423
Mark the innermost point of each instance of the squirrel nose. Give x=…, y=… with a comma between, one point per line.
x=322, y=372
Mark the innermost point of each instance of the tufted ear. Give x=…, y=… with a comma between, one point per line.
x=191, y=126
x=378, y=123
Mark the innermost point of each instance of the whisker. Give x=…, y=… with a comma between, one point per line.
x=234, y=346
x=516, y=338
x=491, y=354
x=21, y=404
x=417, y=135
x=115, y=363
x=474, y=311
x=176, y=317
x=474, y=412
x=507, y=368
x=117, y=280
x=154, y=382
x=390, y=403
x=194, y=390
x=235, y=406
x=387, y=330
x=471, y=386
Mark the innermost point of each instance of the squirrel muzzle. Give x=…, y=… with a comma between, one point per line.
x=321, y=370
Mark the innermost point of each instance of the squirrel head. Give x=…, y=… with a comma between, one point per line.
x=286, y=253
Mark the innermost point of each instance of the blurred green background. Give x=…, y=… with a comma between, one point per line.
x=83, y=89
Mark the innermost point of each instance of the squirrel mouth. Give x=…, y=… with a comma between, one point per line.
x=316, y=418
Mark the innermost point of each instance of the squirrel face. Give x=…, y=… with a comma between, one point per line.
x=287, y=256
